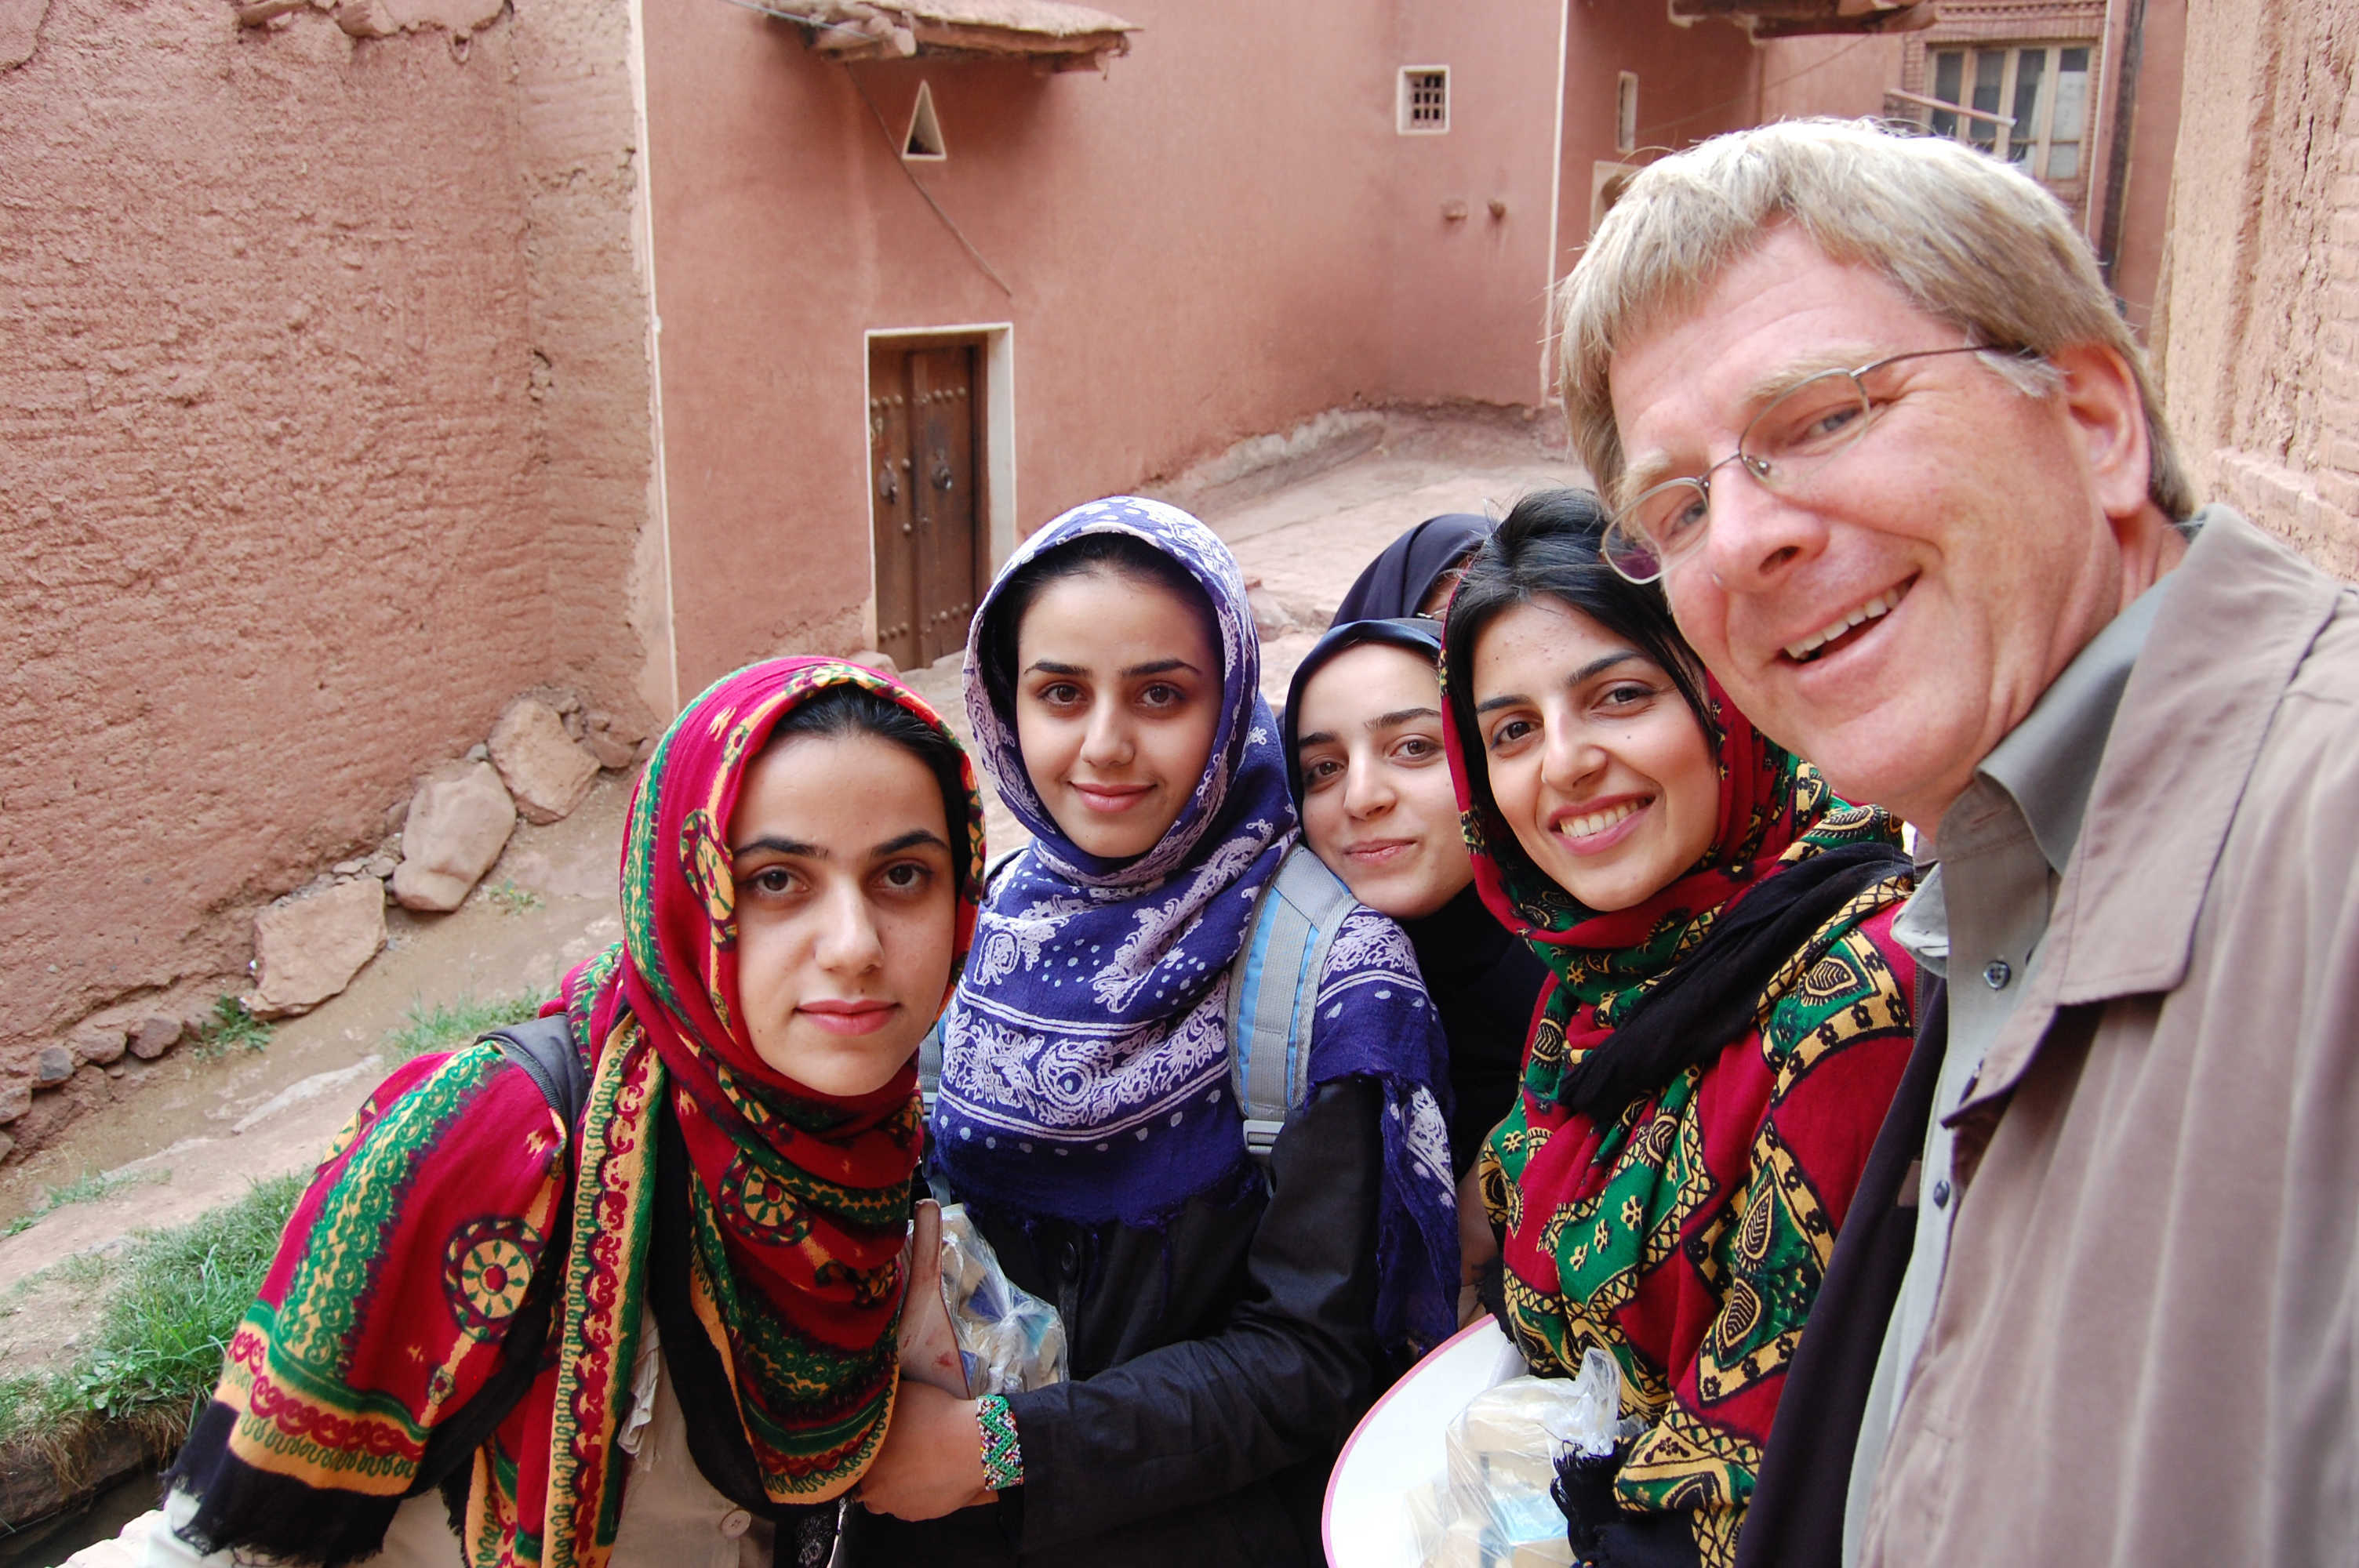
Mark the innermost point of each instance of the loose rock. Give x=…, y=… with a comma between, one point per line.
x=545, y=771
x=349, y=867
x=155, y=1035
x=460, y=819
x=614, y=741
x=99, y=1043
x=16, y=1097
x=381, y=866
x=54, y=1066
x=479, y=752
x=613, y=753
x=307, y=949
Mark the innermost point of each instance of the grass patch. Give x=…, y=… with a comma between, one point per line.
x=231, y=1028
x=444, y=1025
x=89, y=1187
x=510, y=899
x=157, y=1351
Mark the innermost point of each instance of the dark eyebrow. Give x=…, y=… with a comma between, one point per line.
x=1316, y=737
x=1589, y=671
x=1598, y=666
x=1159, y=667
x=781, y=847
x=909, y=840
x=1402, y=716
x=1050, y=667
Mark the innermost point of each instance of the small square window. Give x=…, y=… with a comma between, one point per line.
x=1424, y=100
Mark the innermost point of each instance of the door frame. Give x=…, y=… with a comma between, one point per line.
x=995, y=452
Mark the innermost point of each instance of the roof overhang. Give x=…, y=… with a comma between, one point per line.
x=1053, y=36
x=1799, y=19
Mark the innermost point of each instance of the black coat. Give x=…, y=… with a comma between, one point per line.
x=1216, y=1367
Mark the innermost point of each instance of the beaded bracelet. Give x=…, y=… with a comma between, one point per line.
x=1002, y=1455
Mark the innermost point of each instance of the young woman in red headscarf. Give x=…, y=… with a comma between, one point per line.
x=1727, y=1020
x=683, y=1307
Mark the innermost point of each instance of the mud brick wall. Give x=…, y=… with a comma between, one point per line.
x=308, y=457
x=2257, y=326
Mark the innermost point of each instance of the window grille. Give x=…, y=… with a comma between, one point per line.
x=1424, y=100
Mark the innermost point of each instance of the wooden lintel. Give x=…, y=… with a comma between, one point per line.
x=1912, y=19
x=943, y=37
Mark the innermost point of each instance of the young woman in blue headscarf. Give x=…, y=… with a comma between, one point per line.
x=1225, y=1325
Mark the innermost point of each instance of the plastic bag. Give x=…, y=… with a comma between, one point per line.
x=1493, y=1508
x=1008, y=1339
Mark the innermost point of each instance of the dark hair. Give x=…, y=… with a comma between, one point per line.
x=1548, y=547
x=1124, y=553
x=844, y=710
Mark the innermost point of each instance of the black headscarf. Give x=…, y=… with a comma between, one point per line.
x=1484, y=982
x=1396, y=583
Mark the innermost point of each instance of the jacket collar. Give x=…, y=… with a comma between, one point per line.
x=2240, y=615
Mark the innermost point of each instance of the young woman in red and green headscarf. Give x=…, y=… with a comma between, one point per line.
x=726, y=1225
x=1727, y=1018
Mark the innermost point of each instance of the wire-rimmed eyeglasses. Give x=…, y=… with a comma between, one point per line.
x=1784, y=446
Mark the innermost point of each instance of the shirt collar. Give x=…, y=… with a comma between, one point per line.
x=2048, y=763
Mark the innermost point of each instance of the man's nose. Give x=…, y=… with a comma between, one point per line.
x=1755, y=533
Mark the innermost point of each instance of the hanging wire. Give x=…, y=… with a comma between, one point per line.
x=886, y=131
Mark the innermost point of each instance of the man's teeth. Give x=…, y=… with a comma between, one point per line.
x=1881, y=604
x=1598, y=821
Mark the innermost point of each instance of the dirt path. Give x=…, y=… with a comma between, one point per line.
x=197, y=1131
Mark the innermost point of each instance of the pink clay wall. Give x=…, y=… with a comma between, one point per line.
x=283, y=523
x=1468, y=294
x=1693, y=82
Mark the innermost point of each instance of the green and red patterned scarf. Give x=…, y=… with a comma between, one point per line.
x=1686, y=1232
x=386, y=1307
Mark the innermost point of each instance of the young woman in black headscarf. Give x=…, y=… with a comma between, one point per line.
x=1371, y=778
x=1416, y=572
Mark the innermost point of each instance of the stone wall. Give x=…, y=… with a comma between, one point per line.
x=2256, y=325
x=322, y=432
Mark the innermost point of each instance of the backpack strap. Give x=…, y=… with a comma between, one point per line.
x=1274, y=993
x=544, y=1048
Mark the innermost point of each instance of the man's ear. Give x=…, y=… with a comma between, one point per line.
x=2101, y=399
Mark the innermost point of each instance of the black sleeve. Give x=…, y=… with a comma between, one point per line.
x=1603, y=1535
x=1282, y=1382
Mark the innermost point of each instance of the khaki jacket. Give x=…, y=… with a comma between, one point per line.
x=2144, y=1347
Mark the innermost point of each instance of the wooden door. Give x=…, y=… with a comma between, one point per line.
x=922, y=440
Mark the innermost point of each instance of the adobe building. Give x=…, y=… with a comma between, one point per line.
x=373, y=361
x=2082, y=94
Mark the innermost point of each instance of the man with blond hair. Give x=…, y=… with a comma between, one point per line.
x=1862, y=404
